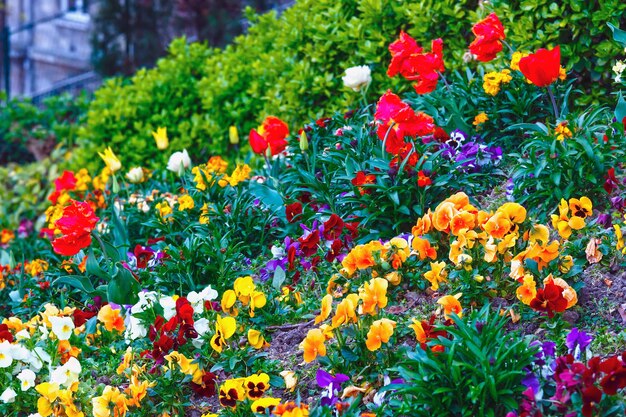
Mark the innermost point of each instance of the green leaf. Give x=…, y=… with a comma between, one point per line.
x=620, y=109
x=80, y=282
x=618, y=34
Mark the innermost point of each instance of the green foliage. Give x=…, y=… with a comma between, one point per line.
x=549, y=169
x=29, y=132
x=124, y=113
x=479, y=371
x=291, y=66
x=24, y=189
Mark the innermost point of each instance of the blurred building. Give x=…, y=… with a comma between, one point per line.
x=48, y=45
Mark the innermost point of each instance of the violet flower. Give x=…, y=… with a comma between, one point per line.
x=577, y=338
x=332, y=384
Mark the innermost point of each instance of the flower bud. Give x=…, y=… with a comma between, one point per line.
x=304, y=142
x=233, y=135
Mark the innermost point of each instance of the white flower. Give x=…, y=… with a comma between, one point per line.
x=22, y=335
x=135, y=175
x=27, y=379
x=15, y=296
x=178, y=162
x=135, y=329
x=202, y=326
x=66, y=374
x=197, y=299
x=8, y=396
x=37, y=357
x=146, y=300
x=62, y=327
x=6, y=354
x=357, y=77
x=19, y=352
x=277, y=252
x=169, y=307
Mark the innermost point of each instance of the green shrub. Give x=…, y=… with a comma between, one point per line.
x=291, y=66
x=478, y=373
x=29, y=132
x=124, y=113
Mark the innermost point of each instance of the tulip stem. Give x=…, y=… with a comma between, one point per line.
x=445, y=81
x=505, y=43
x=554, y=106
x=96, y=235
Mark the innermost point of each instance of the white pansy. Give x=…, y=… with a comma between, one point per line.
x=27, y=379
x=22, y=335
x=62, y=327
x=197, y=299
x=135, y=329
x=146, y=300
x=37, y=357
x=169, y=307
x=6, y=356
x=178, y=162
x=202, y=326
x=357, y=77
x=19, y=352
x=8, y=396
x=277, y=252
x=66, y=374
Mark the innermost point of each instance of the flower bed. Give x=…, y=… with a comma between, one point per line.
x=431, y=254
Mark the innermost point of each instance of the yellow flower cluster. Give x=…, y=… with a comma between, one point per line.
x=245, y=291
x=562, y=131
x=216, y=168
x=493, y=80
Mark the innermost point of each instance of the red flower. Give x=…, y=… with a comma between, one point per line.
x=409, y=60
x=335, y=249
x=549, y=299
x=308, y=244
x=362, y=179
x=402, y=52
x=207, y=388
x=610, y=184
x=76, y=224
x=489, y=32
x=616, y=375
x=5, y=334
x=333, y=227
x=591, y=395
x=392, y=112
x=80, y=317
x=272, y=134
x=66, y=182
x=293, y=210
x=184, y=311
x=423, y=180
x=542, y=68
x=143, y=255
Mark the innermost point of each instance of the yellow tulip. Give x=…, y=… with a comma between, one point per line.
x=112, y=162
x=160, y=137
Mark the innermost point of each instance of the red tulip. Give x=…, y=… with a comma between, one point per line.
x=409, y=60
x=272, y=133
x=542, y=68
x=489, y=32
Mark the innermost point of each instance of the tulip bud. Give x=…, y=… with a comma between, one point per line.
x=135, y=175
x=304, y=142
x=233, y=135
